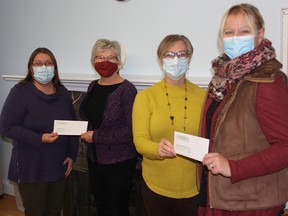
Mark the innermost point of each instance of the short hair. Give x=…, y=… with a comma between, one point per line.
x=250, y=13
x=169, y=41
x=105, y=44
x=29, y=77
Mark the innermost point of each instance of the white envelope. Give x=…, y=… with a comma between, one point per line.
x=190, y=146
x=63, y=127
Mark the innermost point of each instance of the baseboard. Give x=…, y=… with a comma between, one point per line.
x=9, y=188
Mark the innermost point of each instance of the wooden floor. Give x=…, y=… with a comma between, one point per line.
x=8, y=206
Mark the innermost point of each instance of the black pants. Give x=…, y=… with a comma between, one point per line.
x=111, y=186
x=157, y=205
x=43, y=198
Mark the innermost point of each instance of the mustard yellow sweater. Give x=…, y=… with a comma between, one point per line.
x=173, y=177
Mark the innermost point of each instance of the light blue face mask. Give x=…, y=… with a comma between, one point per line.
x=43, y=74
x=238, y=45
x=175, y=68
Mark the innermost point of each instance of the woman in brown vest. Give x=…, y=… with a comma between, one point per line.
x=245, y=118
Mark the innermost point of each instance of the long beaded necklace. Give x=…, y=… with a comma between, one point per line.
x=172, y=117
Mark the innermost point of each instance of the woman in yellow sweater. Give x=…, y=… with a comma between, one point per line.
x=173, y=104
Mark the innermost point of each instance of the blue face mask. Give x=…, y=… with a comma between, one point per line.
x=175, y=68
x=43, y=74
x=238, y=45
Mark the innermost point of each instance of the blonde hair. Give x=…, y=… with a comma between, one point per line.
x=249, y=12
x=105, y=44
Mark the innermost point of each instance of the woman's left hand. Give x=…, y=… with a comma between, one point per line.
x=69, y=163
x=217, y=164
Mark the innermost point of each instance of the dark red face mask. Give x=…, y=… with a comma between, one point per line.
x=106, y=68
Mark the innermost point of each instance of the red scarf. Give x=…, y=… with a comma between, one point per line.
x=229, y=71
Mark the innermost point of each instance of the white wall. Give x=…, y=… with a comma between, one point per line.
x=70, y=28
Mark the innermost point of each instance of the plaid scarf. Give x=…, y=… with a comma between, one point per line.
x=230, y=71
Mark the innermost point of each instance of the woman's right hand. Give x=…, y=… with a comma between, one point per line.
x=49, y=137
x=87, y=136
x=166, y=149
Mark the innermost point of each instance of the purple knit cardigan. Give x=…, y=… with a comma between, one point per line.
x=113, y=140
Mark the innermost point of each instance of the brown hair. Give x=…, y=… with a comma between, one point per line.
x=169, y=41
x=29, y=77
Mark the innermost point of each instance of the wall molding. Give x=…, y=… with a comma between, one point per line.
x=80, y=82
x=284, y=42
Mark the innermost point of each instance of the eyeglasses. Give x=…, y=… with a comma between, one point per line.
x=181, y=55
x=109, y=58
x=40, y=64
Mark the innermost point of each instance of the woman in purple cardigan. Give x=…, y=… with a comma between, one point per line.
x=108, y=109
x=41, y=160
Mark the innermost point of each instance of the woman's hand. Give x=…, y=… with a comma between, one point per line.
x=166, y=148
x=217, y=164
x=49, y=137
x=69, y=163
x=87, y=136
